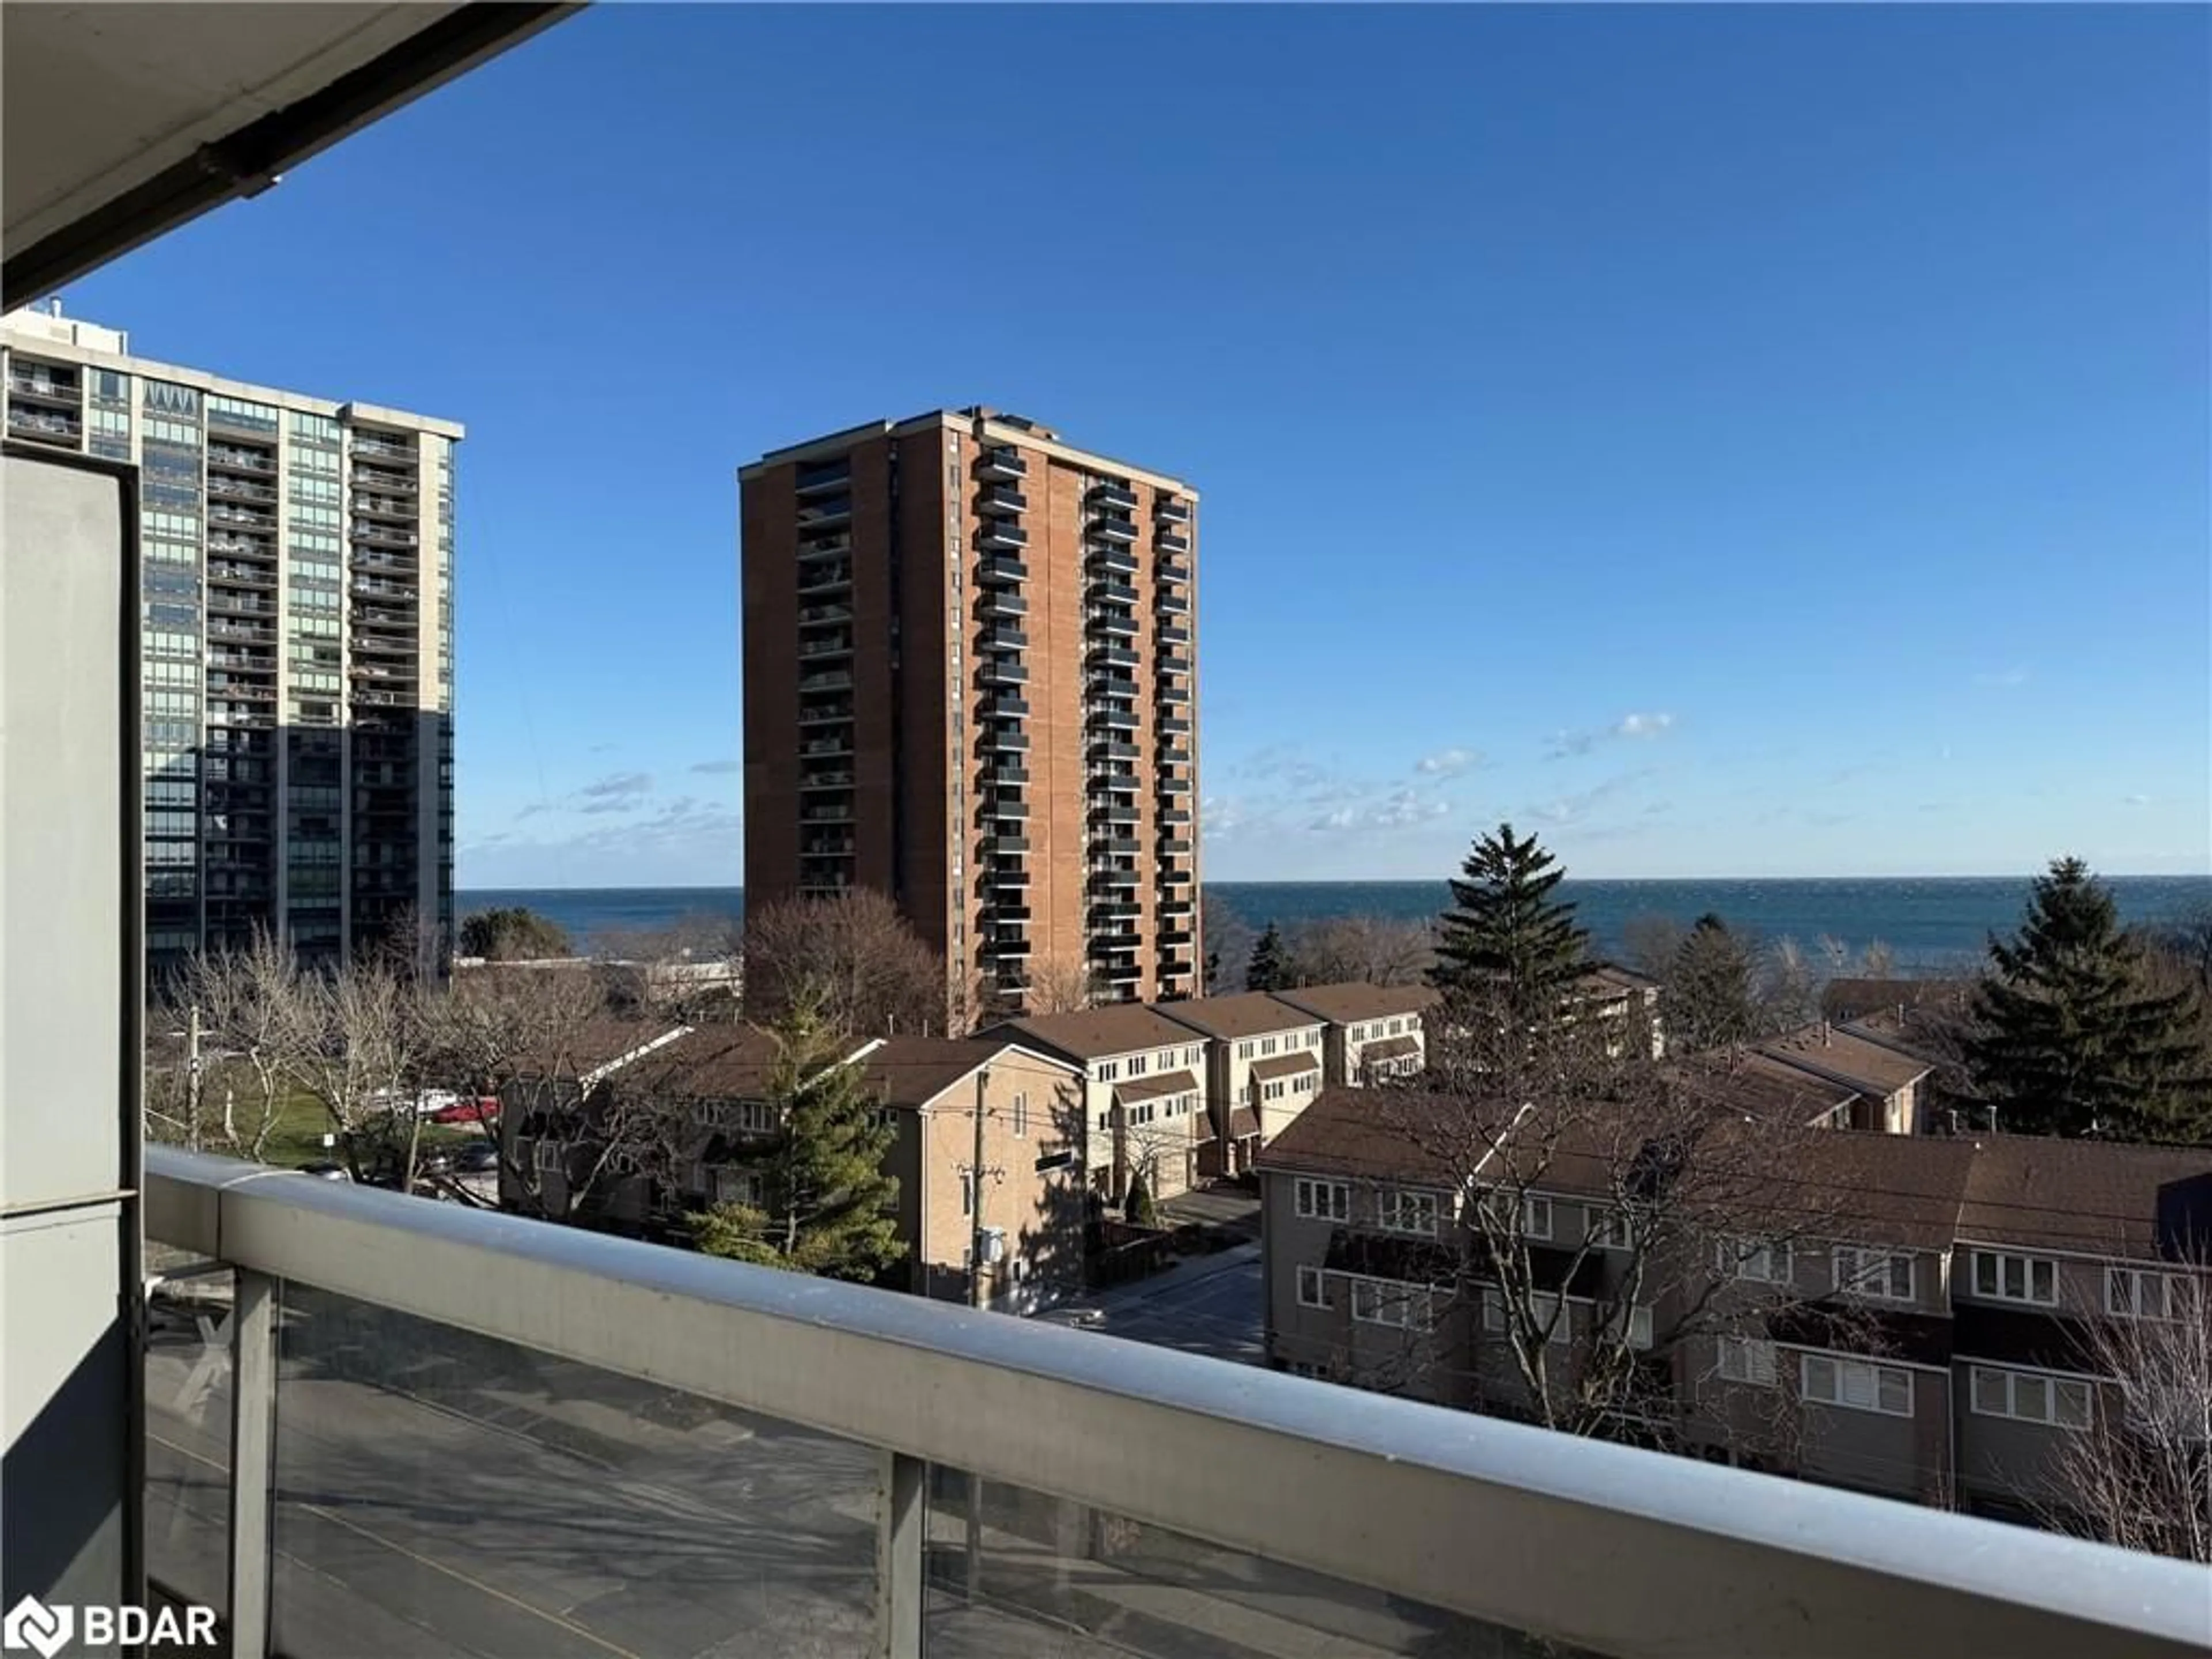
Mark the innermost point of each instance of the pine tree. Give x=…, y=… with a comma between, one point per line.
x=1508, y=944
x=1270, y=967
x=826, y=1207
x=1708, y=990
x=2073, y=1041
x=1140, y=1209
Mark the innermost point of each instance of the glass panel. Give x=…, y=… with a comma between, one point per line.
x=1990, y=1392
x=1055, y=1580
x=441, y=1493
x=2030, y=1398
x=188, y=1427
x=2046, y=1288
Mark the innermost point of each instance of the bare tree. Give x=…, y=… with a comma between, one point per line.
x=2139, y=1474
x=356, y=1040
x=1651, y=943
x=853, y=957
x=1374, y=950
x=247, y=1001
x=1229, y=941
x=1786, y=992
x=1063, y=985
x=690, y=969
x=1678, y=1228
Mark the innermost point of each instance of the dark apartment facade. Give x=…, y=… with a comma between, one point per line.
x=295, y=643
x=970, y=661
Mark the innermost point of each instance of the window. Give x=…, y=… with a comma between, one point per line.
x=1400, y=1210
x=967, y=1192
x=2135, y=1293
x=1324, y=1200
x=1108, y=1070
x=2031, y=1397
x=1610, y=1230
x=1879, y=1273
x=1138, y=1064
x=1536, y=1216
x=1021, y=1117
x=1547, y=1317
x=1637, y=1325
x=737, y=1187
x=1243, y=1051
x=1857, y=1385
x=1386, y=1302
x=1312, y=1293
x=1266, y=1045
x=2006, y=1277
x=1766, y=1264
x=1747, y=1359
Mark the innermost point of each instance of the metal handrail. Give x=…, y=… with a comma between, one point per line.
x=1487, y=1518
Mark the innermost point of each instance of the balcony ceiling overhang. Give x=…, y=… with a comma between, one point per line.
x=121, y=122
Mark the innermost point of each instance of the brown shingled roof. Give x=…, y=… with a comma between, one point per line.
x=1286, y=1066
x=1750, y=1082
x=1872, y=1067
x=2096, y=1197
x=914, y=1070
x=1245, y=1013
x=1095, y=1033
x=1153, y=1088
x=1854, y=999
x=1356, y=1001
x=1893, y=1189
x=713, y=1062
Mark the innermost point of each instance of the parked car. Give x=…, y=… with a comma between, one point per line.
x=485, y=1110
x=327, y=1171
x=481, y=1158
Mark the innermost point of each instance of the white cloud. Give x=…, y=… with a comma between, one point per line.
x=1400, y=810
x=1447, y=764
x=1634, y=727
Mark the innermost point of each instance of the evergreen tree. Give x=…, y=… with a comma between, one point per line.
x=1270, y=967
x=826, y=1207
x=1140, y=1209
x=1708, y=988
x=1508, y=944
x=2072, y=1039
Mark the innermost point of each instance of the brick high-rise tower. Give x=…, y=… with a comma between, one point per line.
x=969, y=683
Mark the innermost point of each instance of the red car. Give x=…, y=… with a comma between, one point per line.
x=468, y=1111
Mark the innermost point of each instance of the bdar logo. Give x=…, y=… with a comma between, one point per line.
x=32, y=1624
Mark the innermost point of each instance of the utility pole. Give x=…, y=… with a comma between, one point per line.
x=978, y=1240
x=192, y=1079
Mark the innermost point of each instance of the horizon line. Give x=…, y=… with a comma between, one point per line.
x=1392, y=881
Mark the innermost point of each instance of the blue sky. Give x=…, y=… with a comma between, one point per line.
x=1730, y=441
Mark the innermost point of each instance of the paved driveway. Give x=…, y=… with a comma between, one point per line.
x=1208, y=1304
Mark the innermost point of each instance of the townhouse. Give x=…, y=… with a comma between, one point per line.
x=1907, y=1315
x=1262, y=1063
x=1886, y=1078
x=675, y=1123
x=1625, y=1003
x=1144, y=1106
x=1371, y=1033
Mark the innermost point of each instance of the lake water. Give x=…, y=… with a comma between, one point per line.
x=1927, y=923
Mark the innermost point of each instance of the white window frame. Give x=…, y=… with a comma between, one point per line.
x=1999, y=1260
x=1749, y=1360
x=2050, y=1390
x=1318, y=1200
x=1313, y=1289
x=1406, y=1210
x=1873, y=1381
x=1534, y=1204
x=1389, y=1302
x=1639, y=1324
x=2150, y=1293
x=1609, y=1229
x=1863, y=1271
x=1542, y=1305
x=1021, y=1115
x=1761, y=1262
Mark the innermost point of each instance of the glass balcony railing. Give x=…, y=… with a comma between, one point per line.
x=472, y=1432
